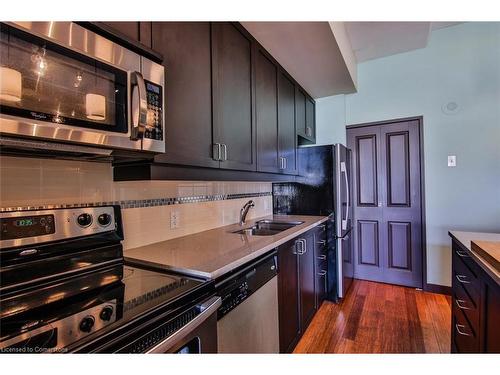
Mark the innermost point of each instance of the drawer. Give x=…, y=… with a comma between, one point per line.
x=462, y=255
x=464, y=337
x=320, y=231
x=463, y=276
x=463, y=302
x=321, y=265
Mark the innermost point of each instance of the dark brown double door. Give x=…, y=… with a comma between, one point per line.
x=387, y=202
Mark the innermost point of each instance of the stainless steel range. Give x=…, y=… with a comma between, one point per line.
x=64, y=288
x=66, y=89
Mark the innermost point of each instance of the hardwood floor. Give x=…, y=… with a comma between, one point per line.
x=380, y=318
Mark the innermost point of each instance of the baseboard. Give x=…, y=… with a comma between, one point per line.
x=435, y=288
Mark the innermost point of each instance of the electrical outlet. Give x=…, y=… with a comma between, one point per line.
x=452, y=161
x=175, y=219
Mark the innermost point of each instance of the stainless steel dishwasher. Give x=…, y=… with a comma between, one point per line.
x=248, y=317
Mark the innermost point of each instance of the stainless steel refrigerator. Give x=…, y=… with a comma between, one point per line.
x=323, y=187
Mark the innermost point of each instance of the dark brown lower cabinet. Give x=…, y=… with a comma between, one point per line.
x=475, y=306
x=307, y=280
x=288, y=296
x=297, y=289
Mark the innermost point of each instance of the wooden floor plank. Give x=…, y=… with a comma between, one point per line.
x=380, y=318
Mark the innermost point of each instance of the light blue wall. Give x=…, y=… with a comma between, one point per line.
x=330, y=120
x=460, y=64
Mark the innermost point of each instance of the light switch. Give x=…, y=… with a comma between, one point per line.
x=452, y=161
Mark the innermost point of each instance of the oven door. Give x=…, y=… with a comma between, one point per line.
x=61, y=82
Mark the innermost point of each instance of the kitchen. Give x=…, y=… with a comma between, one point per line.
x=249, y=187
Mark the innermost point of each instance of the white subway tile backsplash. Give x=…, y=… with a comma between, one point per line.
x=37, y=182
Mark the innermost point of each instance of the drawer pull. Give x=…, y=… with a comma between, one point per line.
x=458, y=326
x=321, y=257
x=462, y=254
x=462, y=279
x=322, y=242
x=460, y=303
x=322, y=273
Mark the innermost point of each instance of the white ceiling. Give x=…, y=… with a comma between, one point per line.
x=309, y=52
x=373, y=40
x=323, y=56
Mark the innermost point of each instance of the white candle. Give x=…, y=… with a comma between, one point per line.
x=95, y=107
x=10, y=84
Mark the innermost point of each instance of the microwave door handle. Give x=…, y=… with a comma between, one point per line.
x=138, y=127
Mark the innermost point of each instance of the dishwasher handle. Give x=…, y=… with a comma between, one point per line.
x=207, y=308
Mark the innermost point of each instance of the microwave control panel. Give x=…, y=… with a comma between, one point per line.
x=154, y=96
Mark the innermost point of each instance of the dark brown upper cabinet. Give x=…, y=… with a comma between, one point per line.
x=137, y=31
x=300, y=112
x=266, y=113
x=287, y=138
x=188, y=91
x=305, y=117
x=233, y=97
x=310, y=119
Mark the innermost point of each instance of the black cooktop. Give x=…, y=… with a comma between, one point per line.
x=64, y=324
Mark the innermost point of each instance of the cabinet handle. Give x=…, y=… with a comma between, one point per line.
x=459, y=303
x=285, y=162
x=308, y=131
x=322, y=273
x=216, y=151
x=322, y=257
x=224, y=152
x=281, y=162
x=462, y=254
x=458, y=326
x=322, y=242
x=305, y=247
x=462, y=279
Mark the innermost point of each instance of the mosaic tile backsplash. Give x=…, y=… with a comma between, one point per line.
x=147, y=205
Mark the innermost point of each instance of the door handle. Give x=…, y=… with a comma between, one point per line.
x=304, y=246
x=459, y=303
x=224, y=152
x=462, y=254
x=458, y=328
x=207, y=308
x=216, y=151
x=462, y=279
x=139, y=126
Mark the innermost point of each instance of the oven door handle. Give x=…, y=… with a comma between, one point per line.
x=207, y=308
x=139, y=124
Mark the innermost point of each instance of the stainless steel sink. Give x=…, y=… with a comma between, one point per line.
x=268, y=227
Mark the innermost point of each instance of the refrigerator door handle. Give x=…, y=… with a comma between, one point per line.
x=343, y=170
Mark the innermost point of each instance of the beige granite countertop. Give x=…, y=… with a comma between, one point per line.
x=212, y=253
x=465, y=238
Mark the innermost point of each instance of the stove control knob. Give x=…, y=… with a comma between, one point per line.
x=106, y=313
x=87, y=323
x=84, y=220
x=104, y=219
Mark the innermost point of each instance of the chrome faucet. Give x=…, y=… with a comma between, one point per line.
x=244, y=211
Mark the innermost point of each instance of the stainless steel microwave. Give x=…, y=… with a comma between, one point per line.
x=63, y=87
